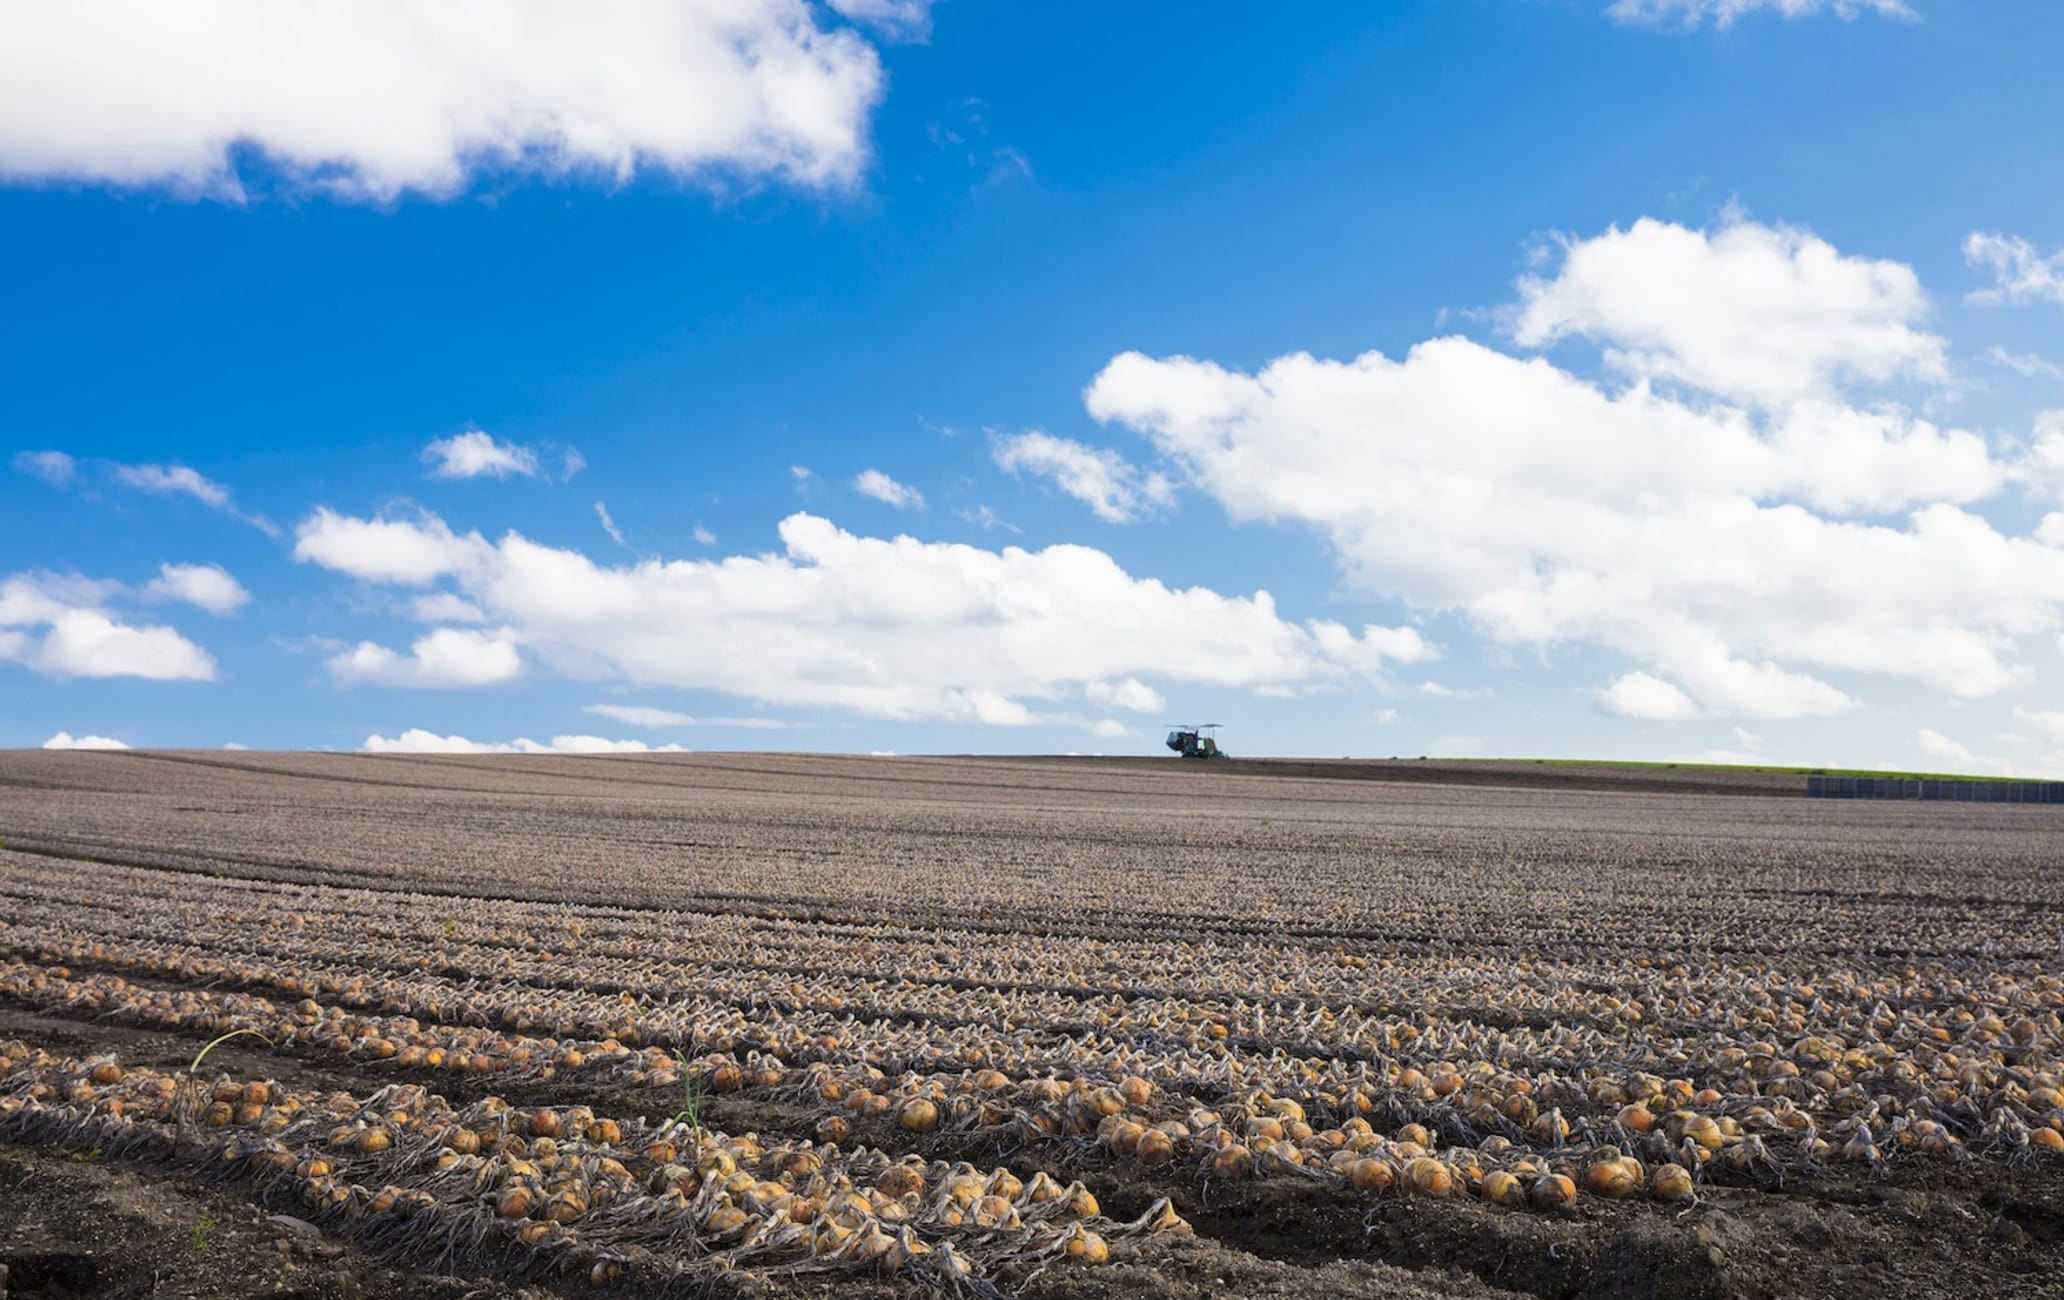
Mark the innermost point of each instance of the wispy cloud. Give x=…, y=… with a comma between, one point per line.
x=1440, y=692
x=2020, y=271
x=986, y=517
x=2021, y=363
x=1113, y=489
x=61, y=469
x=53, y=467
x=173, y=480
x=1724, y=13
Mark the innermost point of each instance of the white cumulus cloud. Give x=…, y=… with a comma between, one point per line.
x=2042, y=466
x=444, y=607
x=639, y=715
x=874, y=483
x=412, y=552
x=416, y=740
x=601, y=745
x=1131, y=694
x=1719, y=545
x=896, y=628
x=66, y=740
x=448, y=656
x=208, y=586
x=475, y=454
x=65, y=627
x=1767, y=314
x=1112, y=488
x=1644, y=695
x=90, y=643
x=373, y=98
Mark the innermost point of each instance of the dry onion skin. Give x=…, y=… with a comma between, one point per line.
x=582, y=1193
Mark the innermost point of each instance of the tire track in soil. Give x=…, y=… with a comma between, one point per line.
x=779, y=907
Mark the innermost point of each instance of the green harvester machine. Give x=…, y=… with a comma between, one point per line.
x=1195, y=740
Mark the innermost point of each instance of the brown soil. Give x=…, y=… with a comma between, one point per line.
x=1513, y=774
x=73, y=1223
x=77, y=1224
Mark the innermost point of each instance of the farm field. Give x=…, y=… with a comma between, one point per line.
x=792, y=1026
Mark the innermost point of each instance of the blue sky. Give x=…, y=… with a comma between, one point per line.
x=1651, y=379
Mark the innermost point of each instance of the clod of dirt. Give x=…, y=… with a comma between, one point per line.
x=1649, y=1260
x=50, y=1272
x=292, y=1224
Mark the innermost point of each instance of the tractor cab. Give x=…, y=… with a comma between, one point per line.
x=1195, y=740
